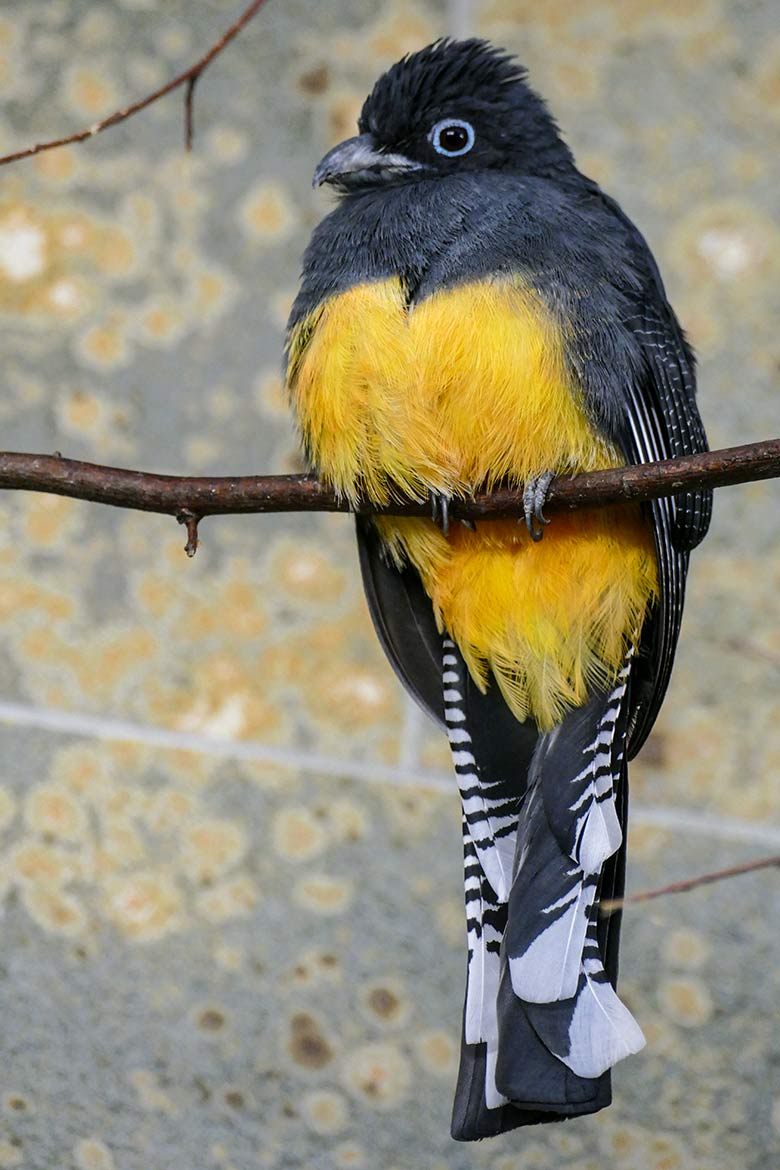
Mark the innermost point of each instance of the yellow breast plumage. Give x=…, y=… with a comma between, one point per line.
x=468, y=388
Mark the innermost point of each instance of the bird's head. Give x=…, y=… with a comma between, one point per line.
x=454, y=106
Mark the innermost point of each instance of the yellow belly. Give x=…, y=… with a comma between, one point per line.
x=468, y=388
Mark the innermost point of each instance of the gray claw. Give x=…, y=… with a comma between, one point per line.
x=440, y=510
x=534, y=497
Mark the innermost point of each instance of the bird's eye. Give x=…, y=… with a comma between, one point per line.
x=452, y=137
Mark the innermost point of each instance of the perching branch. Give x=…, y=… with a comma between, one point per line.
x=190, y=77
x=704, y=879
x=189, y=499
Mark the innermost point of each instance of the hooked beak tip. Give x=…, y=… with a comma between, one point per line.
x=358, y=157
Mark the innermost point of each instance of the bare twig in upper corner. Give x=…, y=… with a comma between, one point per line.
x=189, y=78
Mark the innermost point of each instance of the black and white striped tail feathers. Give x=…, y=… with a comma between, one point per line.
x=569, y=829
x=489, y=804
x=542, y=1022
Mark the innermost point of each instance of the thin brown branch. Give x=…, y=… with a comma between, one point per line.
x=189, y=77
x=207, y=496
x=682, y=887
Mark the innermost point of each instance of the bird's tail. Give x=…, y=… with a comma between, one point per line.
x=542, y=1023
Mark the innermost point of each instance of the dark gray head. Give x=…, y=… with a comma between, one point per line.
x=454, y=106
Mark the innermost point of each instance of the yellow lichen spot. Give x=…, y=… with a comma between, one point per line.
x=686, y=1001
x=314, y=79
x=210, y=1019
x=212, y=293
x=75, y=232
x=307, y=1044
x=168, y=810
x=378, y=1075
x=646, y=840
x=266, y=213
x=92, y=1154
x=202, y=449
x=56, y=166
x=66, y=297
x=229, y=958
x=348, y=821
x=296, y=834
x=103, y=347
x=48, y=520
x=225, y=144
x=53, y=810
x=767, y=80
x=229, y=899
x=437, y=1053
x=81, y=413
x=324, y=1111
x=157, y=594
x=448, y=917
x=270, y=395
x=687, y=948
x=210, y=848
x=343, y=110
x=349, y=1156
x=162, y=323
x=23, y=245
x=84, y=770
x=355, y=698
x=120, y=847
x=144, y=907
x=150, y=1095
x=386, y=1003
x=729, y=240
x=114, y=252
x=7, y=808
x=221, y=701
x=305, y=573
x=89, y=93
x=324, y=894
x=54, y=910
x=10, y=1155
x=32, y=862
x=575, y=80
x=401, y=28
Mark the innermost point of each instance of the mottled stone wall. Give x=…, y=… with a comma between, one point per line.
x=229, y=849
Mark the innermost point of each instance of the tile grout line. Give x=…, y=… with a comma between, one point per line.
x=670, y=817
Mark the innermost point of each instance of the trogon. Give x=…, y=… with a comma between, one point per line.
x=474, y=312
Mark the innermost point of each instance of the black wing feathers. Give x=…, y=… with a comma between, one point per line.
x=403, y=619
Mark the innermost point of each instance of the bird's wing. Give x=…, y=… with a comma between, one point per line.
x=661, y=421
x=403, y=619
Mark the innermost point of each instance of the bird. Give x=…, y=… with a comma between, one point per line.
x=475, y=311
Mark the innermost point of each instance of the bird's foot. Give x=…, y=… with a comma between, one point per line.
x=440, y=509
x=534, y=496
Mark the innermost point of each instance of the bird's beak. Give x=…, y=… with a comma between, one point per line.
x=359, y=159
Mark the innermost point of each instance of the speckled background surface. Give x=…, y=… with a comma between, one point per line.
x=229, y=849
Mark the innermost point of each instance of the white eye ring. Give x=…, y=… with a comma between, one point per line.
x=451, y=124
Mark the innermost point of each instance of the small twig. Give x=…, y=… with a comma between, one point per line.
x=190, y=522
x=189, y=77
x=189, y=113
x=704, y=879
